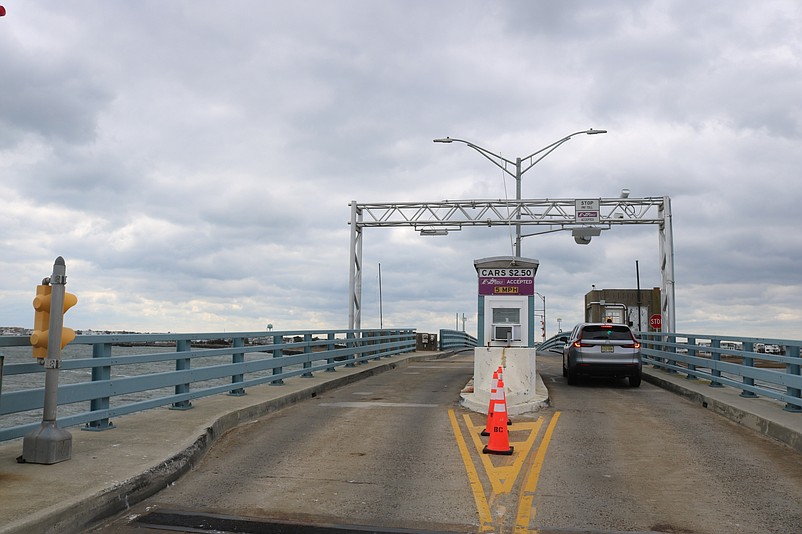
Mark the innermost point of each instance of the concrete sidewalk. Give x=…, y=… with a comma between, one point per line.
x=145, y=452
x=148, y=451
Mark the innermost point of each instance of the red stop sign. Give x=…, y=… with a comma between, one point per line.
x=656, y=321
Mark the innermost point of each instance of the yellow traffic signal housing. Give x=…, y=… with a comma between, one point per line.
x=41, y=320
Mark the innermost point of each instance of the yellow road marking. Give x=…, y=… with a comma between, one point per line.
x=485, y=517
x=525, y=509
x=503, y=478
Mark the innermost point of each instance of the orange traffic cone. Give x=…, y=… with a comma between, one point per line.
x=499, y=442
x=503, y=395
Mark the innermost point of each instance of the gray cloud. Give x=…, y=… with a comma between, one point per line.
x=194, y=162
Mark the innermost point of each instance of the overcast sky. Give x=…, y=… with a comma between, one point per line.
x=193, y=162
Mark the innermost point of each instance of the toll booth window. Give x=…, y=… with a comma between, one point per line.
x=506, y=315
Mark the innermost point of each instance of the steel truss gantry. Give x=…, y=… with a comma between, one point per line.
x=439, y=218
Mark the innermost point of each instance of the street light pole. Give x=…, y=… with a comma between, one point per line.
x=501, y=162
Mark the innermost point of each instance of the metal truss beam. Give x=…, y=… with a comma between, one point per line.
x=561, y=213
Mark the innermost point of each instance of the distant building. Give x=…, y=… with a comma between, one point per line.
x=624, y=306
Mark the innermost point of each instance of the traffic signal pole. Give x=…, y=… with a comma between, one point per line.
x=50, y=444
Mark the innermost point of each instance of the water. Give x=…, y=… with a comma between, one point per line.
x=18, y=355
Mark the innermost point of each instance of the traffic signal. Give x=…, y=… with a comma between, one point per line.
x=41, y=320
x=543, y=328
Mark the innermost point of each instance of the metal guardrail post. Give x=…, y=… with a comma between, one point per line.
x=691, y=352
x=182, y=364
x=308, y=353
x=103, y=372
x=352, y=342
x=748, y=361
x=278, y=353
x=715, y=355
x=794, y=369
x=330, y=347
x=237, y=357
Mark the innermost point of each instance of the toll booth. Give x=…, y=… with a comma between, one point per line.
x=506, y=335
x=506, y=301
x=425, y=341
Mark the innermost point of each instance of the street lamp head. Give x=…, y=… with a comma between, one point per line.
x=594, y=132
x=443, y=140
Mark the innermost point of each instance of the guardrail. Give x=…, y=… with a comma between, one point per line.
x=127, y=373
x=737, y=362
x=455, y=339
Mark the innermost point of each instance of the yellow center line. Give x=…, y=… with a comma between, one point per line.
x=485, y=517
x=525, y=508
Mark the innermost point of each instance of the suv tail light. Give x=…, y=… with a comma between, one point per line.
x=634, y=345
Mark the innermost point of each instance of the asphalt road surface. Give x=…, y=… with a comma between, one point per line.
x=396, y=451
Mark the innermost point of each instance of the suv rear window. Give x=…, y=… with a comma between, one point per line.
x=606, y=332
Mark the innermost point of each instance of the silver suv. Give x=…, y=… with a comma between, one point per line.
x=602, y=349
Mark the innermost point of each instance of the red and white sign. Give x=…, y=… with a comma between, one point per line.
x=656, y=321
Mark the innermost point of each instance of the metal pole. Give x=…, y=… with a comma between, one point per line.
x=355, y=271
x=49, y=444
x=667, y=268
x=518, y=176
x=381, y=314
x=640, y=311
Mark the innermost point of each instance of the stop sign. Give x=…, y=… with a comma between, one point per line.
x=656, y=321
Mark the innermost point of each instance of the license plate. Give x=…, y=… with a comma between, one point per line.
x=607, y=348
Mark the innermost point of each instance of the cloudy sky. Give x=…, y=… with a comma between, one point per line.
x=193, y=162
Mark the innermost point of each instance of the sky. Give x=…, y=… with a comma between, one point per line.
x=193, y=162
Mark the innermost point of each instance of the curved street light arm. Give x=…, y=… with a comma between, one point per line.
x=550, y=148
x=493, y=157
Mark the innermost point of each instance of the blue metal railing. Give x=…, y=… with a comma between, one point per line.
x=739, y=362
x=121, y=378
x=454, y=339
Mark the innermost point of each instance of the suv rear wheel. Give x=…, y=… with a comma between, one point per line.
x=634, y=380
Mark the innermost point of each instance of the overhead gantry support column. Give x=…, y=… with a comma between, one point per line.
x=666, y=233
x=355, y=270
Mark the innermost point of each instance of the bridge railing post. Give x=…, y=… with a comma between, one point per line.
x=237, y=357
x=352, y=342
x=308, y=353
x=748, y=361
x=792, y=351
x=691, y=344
x=182, y=364
x=330, y=346
x=278, y=352
x=715, y=355
x=100, y=350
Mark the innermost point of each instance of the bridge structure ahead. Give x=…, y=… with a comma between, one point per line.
x=584, y=218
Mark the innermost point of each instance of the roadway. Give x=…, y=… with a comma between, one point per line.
x=394, y=450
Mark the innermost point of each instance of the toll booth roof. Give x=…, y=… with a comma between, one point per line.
x=505, y=262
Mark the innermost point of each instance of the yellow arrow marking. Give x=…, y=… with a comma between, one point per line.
x=502, y=478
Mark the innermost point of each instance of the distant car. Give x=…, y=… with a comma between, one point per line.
x=602, y=349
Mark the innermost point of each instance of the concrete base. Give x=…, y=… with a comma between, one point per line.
x=48, y=444
x=523, y=387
